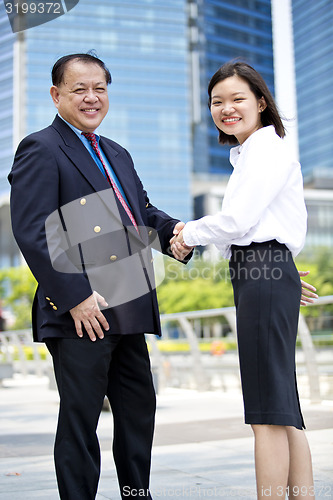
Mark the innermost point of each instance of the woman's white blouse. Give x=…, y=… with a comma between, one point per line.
x=263, y=201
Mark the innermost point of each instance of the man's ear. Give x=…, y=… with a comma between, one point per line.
x=54, y=92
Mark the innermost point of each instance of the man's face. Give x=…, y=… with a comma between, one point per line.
x=82, y=97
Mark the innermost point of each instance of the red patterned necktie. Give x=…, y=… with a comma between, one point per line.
x=93, y=141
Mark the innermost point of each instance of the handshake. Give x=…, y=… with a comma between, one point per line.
x=179, y=249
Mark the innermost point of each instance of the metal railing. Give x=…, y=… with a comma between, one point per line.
x=186, y=321
x=14, y=344
x=14, y=347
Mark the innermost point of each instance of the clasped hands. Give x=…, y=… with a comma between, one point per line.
x=179, y=249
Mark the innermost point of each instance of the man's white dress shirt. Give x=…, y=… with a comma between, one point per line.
x=263, y=201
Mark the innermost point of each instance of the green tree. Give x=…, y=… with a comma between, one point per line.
x=199, y=285
x=17, y=288
x=320, y=264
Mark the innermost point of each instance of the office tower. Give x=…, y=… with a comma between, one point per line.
x=161, y=56
x=220, y=31
x=8, y=250
x=144, y=43
x=6, y=97
x=313, y=45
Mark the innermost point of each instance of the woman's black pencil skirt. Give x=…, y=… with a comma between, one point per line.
x=267, y=292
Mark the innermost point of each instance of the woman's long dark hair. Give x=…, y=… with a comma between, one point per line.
x=270, y=115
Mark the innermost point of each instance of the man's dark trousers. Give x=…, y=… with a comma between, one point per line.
x=117, y=366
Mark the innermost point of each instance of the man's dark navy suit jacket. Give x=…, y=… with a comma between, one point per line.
x=74, y=234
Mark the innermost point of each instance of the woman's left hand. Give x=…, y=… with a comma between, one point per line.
x=308, y=294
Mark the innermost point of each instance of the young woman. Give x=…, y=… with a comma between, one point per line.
x=260, y=228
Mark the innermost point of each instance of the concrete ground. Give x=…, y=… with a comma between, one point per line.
x=202, y=448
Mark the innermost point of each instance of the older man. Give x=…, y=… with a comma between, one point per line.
x=85, y=225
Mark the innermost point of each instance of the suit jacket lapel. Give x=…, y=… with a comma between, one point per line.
x=123, y=171
x=80, y=157
x=75, y=150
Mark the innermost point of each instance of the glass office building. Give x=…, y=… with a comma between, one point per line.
x=6, y=97
x=162, y=56
x=8, y=249
x=313, y=43
x=144, y=43
x=221, y=31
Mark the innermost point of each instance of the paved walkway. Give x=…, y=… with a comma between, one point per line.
x=202, y=448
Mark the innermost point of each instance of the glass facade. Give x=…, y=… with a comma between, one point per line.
x=313, y=42
x=320, y=220
x=7, y=40
x=229, y=30
x=144, y=44
x=161, y=56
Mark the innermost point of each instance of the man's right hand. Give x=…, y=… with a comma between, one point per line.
x=88, y=314
x=178, y=247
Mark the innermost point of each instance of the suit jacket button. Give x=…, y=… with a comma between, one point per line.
x=83, y=201
x=51, y=304
x=113, y=257
x=47, y=298
x=55, y=308
x=150, y=233
x=97, y=229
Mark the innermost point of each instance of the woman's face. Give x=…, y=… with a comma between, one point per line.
x=235, y=109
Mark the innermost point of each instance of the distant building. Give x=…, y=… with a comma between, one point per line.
x=7, y=83
x=243, y=28
x=162, y=56
x=221, y=31
x=313, y=45
x=145, y=45
x=319, y=202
